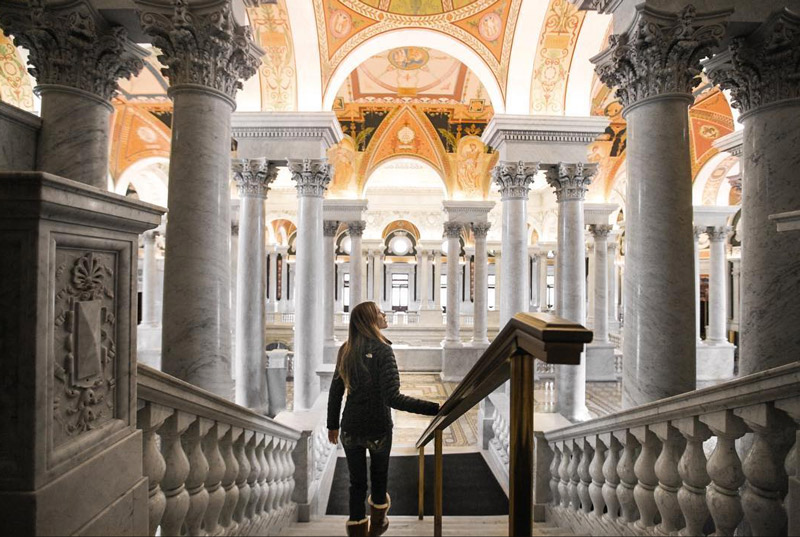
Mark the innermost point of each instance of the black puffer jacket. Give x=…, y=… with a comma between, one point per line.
x=374, y=392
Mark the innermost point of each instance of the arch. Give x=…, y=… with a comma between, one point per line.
x=387, y=162
x=710, y=178
x=578, y=99
x=149, y=176
x=402, y=37
x=279, y=230
x=523, y=50
x=402, y=225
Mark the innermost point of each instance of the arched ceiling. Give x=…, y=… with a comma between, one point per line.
x=15, y=84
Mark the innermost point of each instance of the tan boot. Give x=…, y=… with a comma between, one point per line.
x=379, y=522
x=357, y=528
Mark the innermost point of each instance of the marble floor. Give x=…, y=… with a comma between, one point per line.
x=602, y=398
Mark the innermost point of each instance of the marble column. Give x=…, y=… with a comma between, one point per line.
x=234, y=248
x=765, y=86
x=543, y=306
x=205, y=68
x=514, y=180
x=424, y=268
x=570, y=182
x=377, y=280
x=601, y=296
x=736, y=292
x=437, y=280
x=697, y=232
x=329, y=229
x=452, y=230
x=283, y=280
x=480, y=326
x=659, y=339
x=253, y=177
x=613, y=294
x=466, y=294
x=148, y=342
x=356, y=230
x=717, y=287
x=590, y=283
x=77, y=58
x=536, y=297
x=312, y=177
x=272, y=290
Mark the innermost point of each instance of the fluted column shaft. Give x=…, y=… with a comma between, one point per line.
x=452, y=231
x=204, y=68
x=312, y=178
x=329, y=228
x=717, y=297
x=763, y=77
x=77, y=59
x=514, y=180
x=479, y=326
x=252, y=179
x=601, y=297
x=659, y=338
x=356, y=230
x=149, y=279
x=570, y=182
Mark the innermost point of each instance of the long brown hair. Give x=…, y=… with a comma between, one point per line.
x=363, y=328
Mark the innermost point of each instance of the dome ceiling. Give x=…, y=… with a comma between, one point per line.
x=418, y=7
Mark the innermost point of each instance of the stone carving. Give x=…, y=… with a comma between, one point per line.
x=660, y=54
x=514, y=178
x=763, y=67
x=570, y=181
x=201, y=46
x=481, y=229
x=718, y=233
x=253, y=176
x=452, y=230
x=329, y=228
x=600, y=231
x=698, y=232
x=72, y=46
x=84, y=346
x=311, y=175
x=356, y=228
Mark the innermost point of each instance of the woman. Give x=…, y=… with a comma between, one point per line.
x=367, y=370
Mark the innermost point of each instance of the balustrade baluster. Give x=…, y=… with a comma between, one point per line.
x=272, y=477
x=198, y=471
x=216, y=472
x=288, y=449
x=596, y=474
x=283, y=484
x=792, y=502
x=725, y=470
x=252, y=479
x=554, y=477
x=149, y=418
x=563, y=473
x=692, y=470
x=174, y=482
x=645, y=468
x=241, y=478
x=610, y=476
x=627, y=477
x=574, y=478
x=585, y=477
x=229, y=479
x=669, y=479
x=263, y=487
x=766, y=485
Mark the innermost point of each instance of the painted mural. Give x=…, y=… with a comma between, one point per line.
x=277, y=74
x=15, y=84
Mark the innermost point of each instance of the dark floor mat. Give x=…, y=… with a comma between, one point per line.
x=470, y=488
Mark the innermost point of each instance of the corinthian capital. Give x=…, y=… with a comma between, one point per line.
x=330, y=227
x=201, y=45
x=72, y=45
x=356, y=228
x=452, y=230
x=570, y=181
x=480, y=229
x=514, y=178
x=718, y=233
x=253, y=176
x=763, y=67
x=600, y=231
x=311, y=175
x=660, y=53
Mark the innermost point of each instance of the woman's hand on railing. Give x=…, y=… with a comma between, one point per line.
x=333, y=436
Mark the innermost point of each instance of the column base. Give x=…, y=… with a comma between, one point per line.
x=457, y=361
x=600, y=362
x=715, y=361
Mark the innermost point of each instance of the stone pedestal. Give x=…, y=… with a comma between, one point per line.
x=715, y=361
x=276, y=380
x=68, y=327
x=600, y=362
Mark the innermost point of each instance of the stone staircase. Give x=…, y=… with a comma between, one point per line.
x=411, y=525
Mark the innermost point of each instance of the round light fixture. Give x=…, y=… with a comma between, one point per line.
x=400, y=245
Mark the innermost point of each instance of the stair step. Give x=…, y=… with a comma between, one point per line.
x=411, y=525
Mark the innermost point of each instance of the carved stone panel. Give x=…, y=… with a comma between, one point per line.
x=84, y=342
x=10, y=353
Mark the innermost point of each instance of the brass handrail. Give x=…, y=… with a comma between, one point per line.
x=510, y=356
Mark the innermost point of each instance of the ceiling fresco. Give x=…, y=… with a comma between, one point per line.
x=486, y=26
x=15, y=84
x=136, y=134
x=277, y=74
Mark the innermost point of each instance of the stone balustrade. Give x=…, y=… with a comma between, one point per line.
x=272, y=317
x=214, y=467
x=647, y=470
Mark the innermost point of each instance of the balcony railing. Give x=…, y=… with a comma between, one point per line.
x=509, y=356
x=221, y=468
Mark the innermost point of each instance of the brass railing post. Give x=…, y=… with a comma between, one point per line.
x=421, y=494
x=520, y=520
x=438, y=483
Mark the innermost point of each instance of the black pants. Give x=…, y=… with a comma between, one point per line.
x=355, y=449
